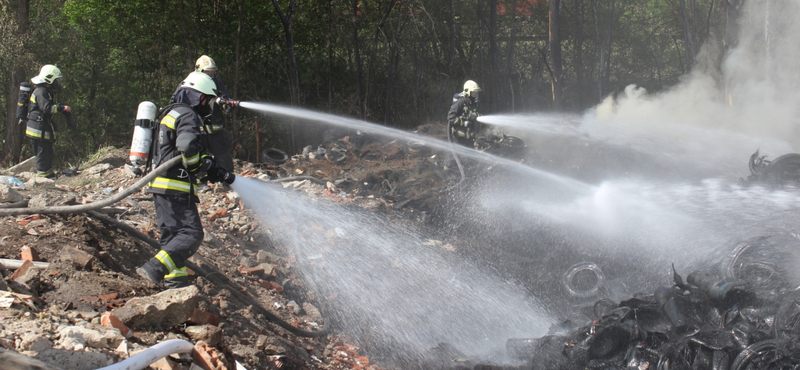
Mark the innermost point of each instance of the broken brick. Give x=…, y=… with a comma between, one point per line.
x=200, y=317
x=107, y=297
x=29, y=254
x=207, y=357
x=109, y=320
x=270, y=285
x=22, y=270
x=251, y=270
x=78, y=258
x=222, y=212
x=165, y=364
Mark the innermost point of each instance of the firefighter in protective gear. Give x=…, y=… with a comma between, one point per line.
x=462, y=119
x=41, y=108
x=174, y=193
x=214, y=124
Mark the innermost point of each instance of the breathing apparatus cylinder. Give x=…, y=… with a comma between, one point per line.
x=25, y=91
x=143, y=133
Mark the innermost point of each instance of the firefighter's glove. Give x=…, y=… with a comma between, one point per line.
x=219, y=174
x=207, y=167
x=208, y=163
x=70, y=120
x=225, y=176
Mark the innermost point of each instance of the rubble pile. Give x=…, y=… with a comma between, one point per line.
x=72, y=299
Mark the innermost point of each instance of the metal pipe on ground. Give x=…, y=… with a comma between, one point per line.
x=143, y=359
x=15, y=264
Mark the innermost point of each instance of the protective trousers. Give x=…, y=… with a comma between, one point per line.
x=43, y=150
x=460, y=135
x=181, y=235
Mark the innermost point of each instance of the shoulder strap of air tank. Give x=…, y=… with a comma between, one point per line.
x=156, y=134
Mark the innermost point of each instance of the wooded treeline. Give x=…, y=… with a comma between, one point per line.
x=395, y=62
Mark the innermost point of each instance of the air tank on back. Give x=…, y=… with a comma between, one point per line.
x=143, y=133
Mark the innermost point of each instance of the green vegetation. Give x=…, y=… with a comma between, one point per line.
x=396, y=62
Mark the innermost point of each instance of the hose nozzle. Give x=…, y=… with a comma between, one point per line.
x=227, y=102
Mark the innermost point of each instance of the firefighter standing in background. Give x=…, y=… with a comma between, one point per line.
x=462, y=119
x=214, y=123
x=174, y=193
x=41, y=108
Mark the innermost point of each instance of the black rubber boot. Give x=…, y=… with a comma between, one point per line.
x=146, y=271
x=177, y=282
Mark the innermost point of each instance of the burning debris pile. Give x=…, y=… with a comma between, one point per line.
x=741, y=314
x=778, y=172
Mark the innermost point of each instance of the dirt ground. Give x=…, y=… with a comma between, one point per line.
x=75, y=291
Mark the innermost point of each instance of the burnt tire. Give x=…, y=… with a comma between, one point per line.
x=275, y=156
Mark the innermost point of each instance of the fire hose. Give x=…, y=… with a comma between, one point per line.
x=212, y=278
x=91, y=210
x=96, y=205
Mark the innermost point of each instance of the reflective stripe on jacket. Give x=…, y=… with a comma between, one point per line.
x=179, y=180
x=40, y=114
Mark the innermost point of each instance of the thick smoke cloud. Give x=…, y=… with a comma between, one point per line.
x=753, y=92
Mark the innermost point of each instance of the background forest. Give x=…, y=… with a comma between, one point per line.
x=394, y=62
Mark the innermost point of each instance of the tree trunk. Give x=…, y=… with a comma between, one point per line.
x=15, y=133
x=731, y=38
x=237, y=69
x=294, y=84
x=373, y=55
x=494, y=92
x=579, y=51
x=539, y=72
x=357, y=56
x=555, y=54
x=394, y=60
x=330, y=55
x=294, y=78
x=602, y=44
x=511, y=46
x=444, y=98
x=687, y=35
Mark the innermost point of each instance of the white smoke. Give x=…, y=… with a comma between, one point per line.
x=754, y=92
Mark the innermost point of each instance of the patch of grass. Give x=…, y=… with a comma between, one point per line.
x=96, y=156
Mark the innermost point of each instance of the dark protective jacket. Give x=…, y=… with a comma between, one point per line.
x=216, y=123
x=461, y=107
x=178, y=135
x=41, y=109
x=457, y=118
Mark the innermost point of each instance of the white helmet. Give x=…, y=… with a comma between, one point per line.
x=47, y=75
x=201, y=82
x=471, y=87
x=205, y=63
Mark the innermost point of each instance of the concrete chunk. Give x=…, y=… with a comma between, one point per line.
x=163, y=310
x=78, y=258
x=9, y=195
x=207, y=333
x=24, y=166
